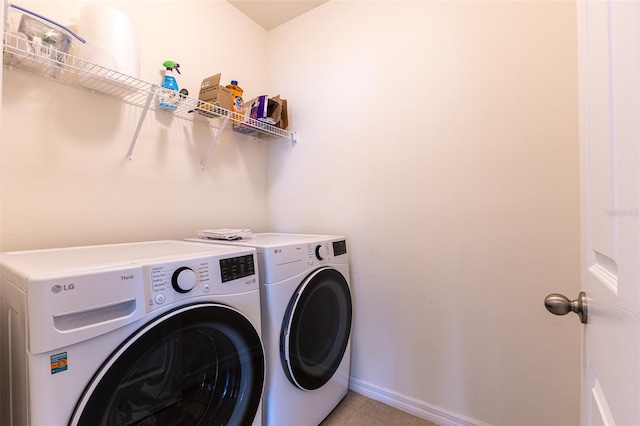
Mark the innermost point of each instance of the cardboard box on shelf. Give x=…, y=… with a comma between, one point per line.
x=211, y=91
x=284, y=116
x=271, y=111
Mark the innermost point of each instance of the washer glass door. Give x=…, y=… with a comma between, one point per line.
x=316, y=329
x=197, y=365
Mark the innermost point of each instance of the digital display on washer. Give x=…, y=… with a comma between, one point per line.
x=236, y=267
x=339, y=247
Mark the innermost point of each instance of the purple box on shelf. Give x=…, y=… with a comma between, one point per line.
x=259, y=107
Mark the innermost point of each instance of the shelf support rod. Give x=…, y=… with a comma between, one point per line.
x=203, y=163
x=145, y=109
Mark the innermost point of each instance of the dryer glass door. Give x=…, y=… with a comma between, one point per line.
x=198, y=365
x=316, y=329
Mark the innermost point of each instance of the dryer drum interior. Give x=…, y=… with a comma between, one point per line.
x=200, y=364
x=316, y=329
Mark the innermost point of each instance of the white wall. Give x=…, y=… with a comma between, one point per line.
x=441, y=138
x=66, y=179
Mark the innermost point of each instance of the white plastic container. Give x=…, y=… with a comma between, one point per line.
x=112, y=39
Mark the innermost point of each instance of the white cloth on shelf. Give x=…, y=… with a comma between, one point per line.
x=225, y=234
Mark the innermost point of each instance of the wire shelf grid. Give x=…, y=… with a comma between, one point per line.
x=44, y=61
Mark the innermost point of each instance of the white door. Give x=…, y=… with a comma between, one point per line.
x=609, y=87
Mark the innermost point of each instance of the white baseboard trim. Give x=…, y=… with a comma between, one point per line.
x=411, y=405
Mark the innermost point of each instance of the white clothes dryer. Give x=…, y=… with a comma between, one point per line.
x=163, y=333
x=306, y=324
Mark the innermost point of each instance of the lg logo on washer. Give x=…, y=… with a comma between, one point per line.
x=60, y=288
x=68, y=287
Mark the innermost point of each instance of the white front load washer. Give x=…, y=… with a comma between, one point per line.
x=306, y=324
x=153, y=333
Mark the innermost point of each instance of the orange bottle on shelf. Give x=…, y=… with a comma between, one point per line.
x=237, y=105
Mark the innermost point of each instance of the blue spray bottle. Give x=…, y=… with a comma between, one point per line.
x=169, y=91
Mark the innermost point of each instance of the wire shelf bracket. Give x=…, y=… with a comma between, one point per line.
x=203, y=163
x=145, y=109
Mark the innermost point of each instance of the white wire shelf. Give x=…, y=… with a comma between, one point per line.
x=40, y=60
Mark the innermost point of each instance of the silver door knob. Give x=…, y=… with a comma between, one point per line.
x=559, y=304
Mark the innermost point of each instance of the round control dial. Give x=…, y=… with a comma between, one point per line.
x=321, y=252
x=184, y=279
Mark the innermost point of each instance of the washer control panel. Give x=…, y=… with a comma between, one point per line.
x=237, y=267
x=173, y=281
x=169, y=280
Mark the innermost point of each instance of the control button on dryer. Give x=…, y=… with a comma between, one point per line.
x=160, y=299
x=321, y=252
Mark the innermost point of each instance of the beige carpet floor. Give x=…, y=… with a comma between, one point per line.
x=358, y=410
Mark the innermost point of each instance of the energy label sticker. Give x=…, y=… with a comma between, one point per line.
x=59, y=363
